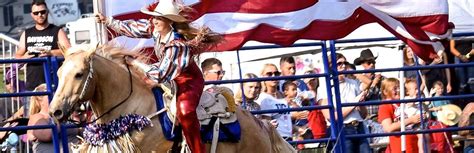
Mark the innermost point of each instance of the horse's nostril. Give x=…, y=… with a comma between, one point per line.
x=58, y=114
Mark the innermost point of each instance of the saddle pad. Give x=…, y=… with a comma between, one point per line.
x=166, y=123
x=229, y=132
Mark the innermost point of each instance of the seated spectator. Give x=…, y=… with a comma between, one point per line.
x=271, y=87
x=391, y=122
x=251, y=91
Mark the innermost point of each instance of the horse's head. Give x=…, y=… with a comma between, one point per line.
x=76, y=81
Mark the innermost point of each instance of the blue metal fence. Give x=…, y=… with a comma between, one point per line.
x=51, y=65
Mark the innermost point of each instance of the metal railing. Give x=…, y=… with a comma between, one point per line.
x=336, y=124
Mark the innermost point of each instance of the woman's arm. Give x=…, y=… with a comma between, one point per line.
x=448, y=74
x=130, y=28
x=390, y=126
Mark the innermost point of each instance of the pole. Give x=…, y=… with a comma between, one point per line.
x=101, y=31
x=401, y=77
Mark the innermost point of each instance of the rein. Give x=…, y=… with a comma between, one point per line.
x=86, y=84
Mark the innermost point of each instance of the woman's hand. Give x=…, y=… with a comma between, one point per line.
x=99, y=18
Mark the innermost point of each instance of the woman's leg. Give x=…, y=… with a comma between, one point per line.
x=190, y=87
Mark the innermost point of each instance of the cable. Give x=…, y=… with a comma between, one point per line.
x=337, y=139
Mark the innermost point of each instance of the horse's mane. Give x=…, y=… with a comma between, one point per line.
x=114, y=53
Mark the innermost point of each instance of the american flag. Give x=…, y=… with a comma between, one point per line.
x=419, y=23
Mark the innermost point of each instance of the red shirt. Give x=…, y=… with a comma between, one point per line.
x=388, y=111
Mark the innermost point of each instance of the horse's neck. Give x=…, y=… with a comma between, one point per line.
x=113, y=87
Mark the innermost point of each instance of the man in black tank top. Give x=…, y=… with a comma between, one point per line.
x=40, y=41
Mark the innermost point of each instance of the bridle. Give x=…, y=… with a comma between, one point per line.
x=87, y=83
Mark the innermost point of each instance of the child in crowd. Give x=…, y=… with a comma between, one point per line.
x=412, y=109
x=440, y=141
x=299, y=118
x=391, y=121
x=436, y=91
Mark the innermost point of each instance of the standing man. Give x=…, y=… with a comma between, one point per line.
x=369, y=81
x=352, y=116
x=40, y=40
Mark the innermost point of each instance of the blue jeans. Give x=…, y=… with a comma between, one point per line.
x=355, y=145
x=468, y=146
x=464, y=74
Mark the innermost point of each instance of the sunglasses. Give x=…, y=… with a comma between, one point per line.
x=221, y=72
x=276, y=73
x=369, y=62
x=342, y=63
x=40, y=12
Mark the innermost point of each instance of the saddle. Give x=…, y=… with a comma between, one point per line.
x=216, y=108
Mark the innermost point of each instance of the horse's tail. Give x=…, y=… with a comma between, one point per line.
x=279, y=145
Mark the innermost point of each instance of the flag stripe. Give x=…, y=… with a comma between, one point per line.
x=226, y=23
x=250, y=6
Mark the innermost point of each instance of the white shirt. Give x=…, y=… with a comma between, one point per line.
x=285, y=126
x=349, y=90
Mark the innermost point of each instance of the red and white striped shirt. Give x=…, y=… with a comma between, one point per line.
x=172, y=53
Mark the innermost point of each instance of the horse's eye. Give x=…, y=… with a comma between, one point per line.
x=78, y=76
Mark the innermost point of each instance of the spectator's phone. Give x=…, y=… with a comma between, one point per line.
x=34, y=52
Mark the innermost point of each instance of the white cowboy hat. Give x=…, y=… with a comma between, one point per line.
x=449, y=114
x=164, y=8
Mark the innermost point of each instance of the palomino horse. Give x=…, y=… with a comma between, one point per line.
x=103, y=78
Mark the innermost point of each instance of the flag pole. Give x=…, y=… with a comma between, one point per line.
x=402, y=105
x=101, y=31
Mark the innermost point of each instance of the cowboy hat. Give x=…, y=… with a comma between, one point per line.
x=365, y=55
x=165, y=8
x=449, y=114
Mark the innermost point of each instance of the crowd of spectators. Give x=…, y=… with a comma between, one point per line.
x=360, y=87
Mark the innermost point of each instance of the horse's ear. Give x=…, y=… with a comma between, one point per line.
x=92, y=50
x=63, y=49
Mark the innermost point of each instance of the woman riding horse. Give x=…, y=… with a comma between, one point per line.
x=176, y=43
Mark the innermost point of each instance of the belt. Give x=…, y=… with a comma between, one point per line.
x=354, y=123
